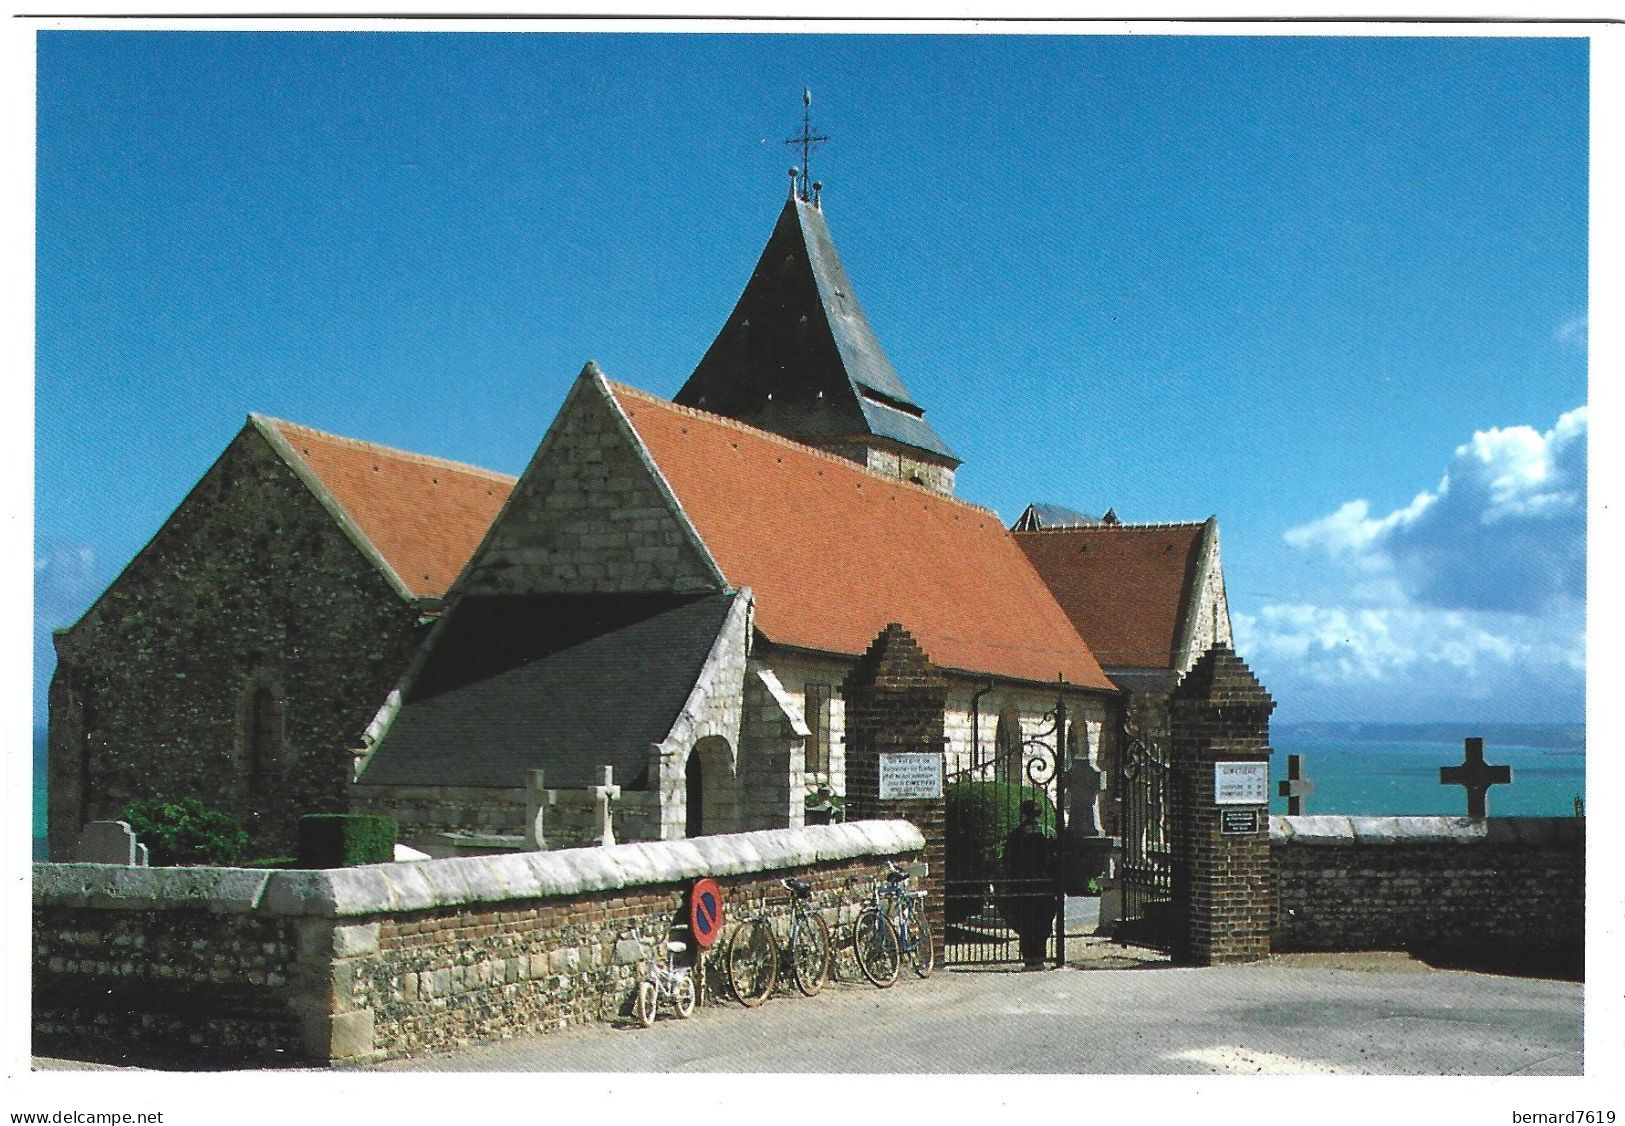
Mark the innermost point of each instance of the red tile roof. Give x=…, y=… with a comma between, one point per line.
x=833, y=552
x=1124, y=586
x=425, y=516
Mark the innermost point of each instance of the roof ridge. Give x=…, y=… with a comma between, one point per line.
x=1151, y=527
x=792, y=444
x=409, y=455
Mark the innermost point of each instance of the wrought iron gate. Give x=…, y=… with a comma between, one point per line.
x=1145, y=869
x=987, y=901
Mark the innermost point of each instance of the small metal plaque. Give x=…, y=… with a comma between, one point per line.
x=909, y=775
x=1238, y=822
x=1241, y=783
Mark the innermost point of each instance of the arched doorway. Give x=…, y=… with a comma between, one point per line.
x=709, y=788
x=1007, y=746
x=694, y=778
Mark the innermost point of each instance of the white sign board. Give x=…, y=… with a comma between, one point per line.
x=1241, y=783
x=908, y=775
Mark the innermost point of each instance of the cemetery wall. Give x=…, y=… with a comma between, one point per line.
x=190, y=965
x=1447, y=885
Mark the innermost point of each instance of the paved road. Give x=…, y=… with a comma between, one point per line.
x=1292, y=1015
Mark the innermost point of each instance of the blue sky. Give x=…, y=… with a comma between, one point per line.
x=1332, y=290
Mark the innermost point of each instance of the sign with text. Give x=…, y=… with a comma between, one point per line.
x=910, y=775
x=1239, y=822
x=1241, y=783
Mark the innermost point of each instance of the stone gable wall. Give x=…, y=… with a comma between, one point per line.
x=1209, y=610
x=249, y=583
x=397, y=959
x=589, y=516
x=1506, y=885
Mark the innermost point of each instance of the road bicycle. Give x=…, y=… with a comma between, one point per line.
x=666, y=980
x=755, y=960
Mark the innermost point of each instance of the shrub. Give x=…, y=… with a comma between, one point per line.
x=980, y=815
x=185, y=831
x=343, y=840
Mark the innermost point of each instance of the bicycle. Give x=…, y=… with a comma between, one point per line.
x=874, y=940
x=755, y=959
x=669, y=981
x=906, y=909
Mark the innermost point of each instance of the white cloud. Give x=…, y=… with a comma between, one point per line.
x=1415, y=663
x=1573, y=331
x=1469, y=598
x=1503, y=530
x=65, y=579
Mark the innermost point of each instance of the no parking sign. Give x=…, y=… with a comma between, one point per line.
x=705, y=912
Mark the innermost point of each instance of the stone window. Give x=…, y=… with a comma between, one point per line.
x=818, y=711
x=264, y=734
x=1007, y=747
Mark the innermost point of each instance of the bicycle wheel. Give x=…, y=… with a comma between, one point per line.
x=646, y=1002
x=685, y=995
x=922, y=954
x=874, y=941
x=809, y=953
x=753, y=962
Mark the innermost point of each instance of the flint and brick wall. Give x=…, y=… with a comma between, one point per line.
x=1430, y=884
x=390, y=960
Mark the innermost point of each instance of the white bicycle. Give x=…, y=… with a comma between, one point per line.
x=666, y=980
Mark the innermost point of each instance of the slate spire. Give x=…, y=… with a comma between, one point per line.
x=797, y=357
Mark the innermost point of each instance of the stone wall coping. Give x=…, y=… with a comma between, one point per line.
x=423, y=885
x=1340, y=830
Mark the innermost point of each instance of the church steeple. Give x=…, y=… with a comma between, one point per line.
x=797, y=357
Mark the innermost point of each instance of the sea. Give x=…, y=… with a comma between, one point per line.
x=1356, y=768
x=1393, y=769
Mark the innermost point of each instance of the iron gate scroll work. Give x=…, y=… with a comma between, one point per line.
x=984, y=903
x=1145, y=869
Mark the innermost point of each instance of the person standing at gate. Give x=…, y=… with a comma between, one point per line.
x=1029, y=865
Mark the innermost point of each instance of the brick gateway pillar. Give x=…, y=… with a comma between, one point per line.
x=895, y=741
x=1223, y=891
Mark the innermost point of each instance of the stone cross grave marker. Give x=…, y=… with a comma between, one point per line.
x=1475, y=776
x=605, y=794
x=110, y=842
x=1085, y=786
x=1294, y=787
x=538, y=798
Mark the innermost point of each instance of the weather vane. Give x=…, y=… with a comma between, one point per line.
x=807, y=140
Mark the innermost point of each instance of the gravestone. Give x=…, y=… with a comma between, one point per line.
x=1295, y=787
x=110, y=842
x=1475, y=776
x=1088, y=849
x=538, y=799
x=605, y=794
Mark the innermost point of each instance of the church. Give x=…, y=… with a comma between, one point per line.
x=642, y=637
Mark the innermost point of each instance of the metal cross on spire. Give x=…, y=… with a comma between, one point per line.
x=807, y=140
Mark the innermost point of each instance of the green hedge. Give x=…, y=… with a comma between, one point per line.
x=184, y=831
x=980, y=815
x=343, y=840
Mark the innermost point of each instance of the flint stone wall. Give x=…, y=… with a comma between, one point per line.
x=1430, y=884
x=199, y=964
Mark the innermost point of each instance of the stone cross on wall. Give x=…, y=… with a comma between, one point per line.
x=1294, y=787
x=605, y=794
x=1475, y=776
